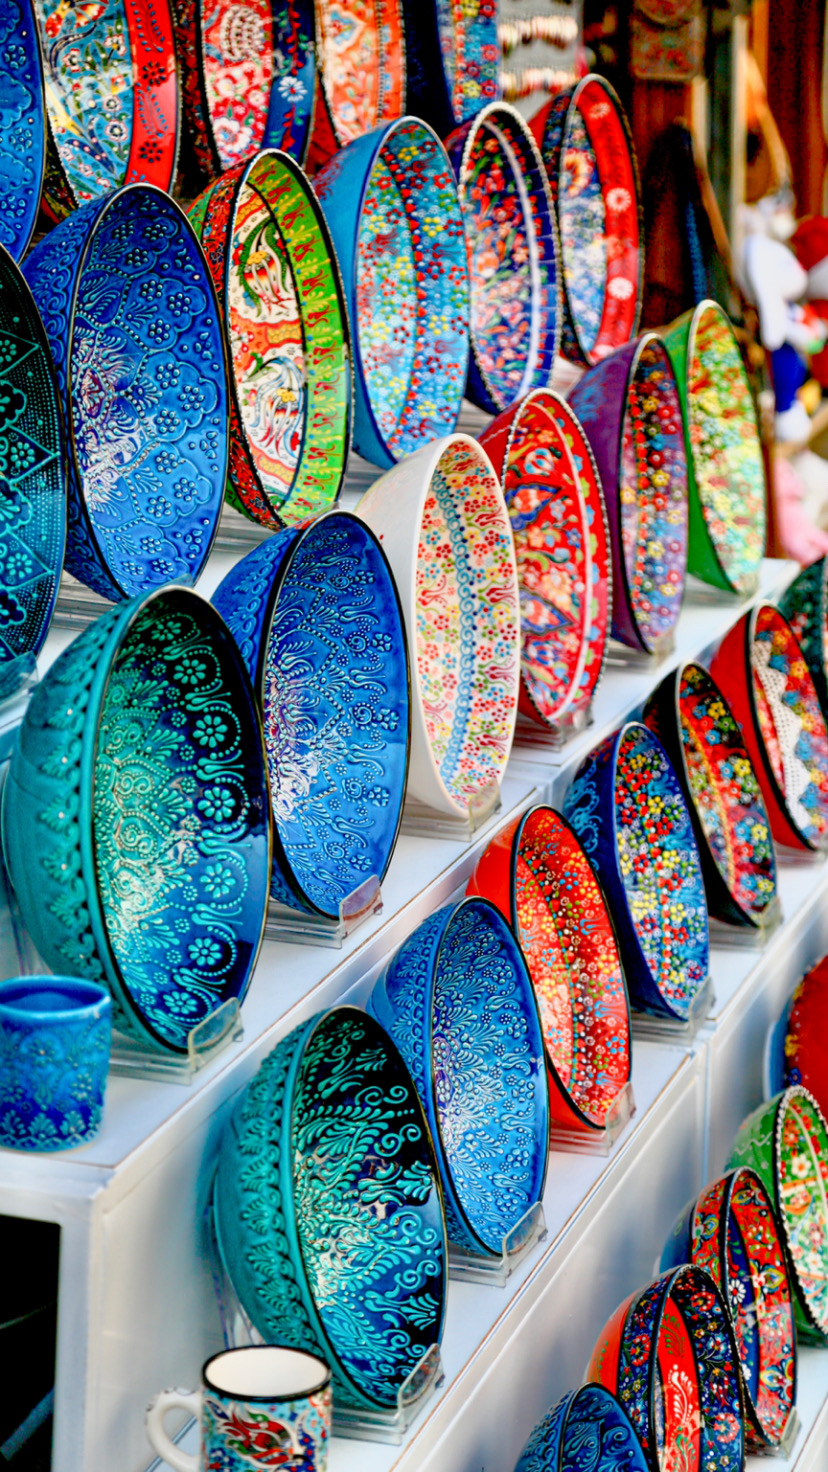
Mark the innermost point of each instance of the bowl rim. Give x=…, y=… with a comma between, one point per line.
x=91, y=999
x=778, y=1108
x=309, y=1354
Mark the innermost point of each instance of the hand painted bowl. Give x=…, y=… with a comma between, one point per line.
x=457, y=1000
x=328, y=1209
x=732, y=1232
x=588, y=1422
x=559, y=524
x=761, y=671
x=361, y=79
x=669, y=1355
x=443, y=525
x=786, y=1143
x=587, y=148
x=627, y=809
x=54, y=1053
x=512, y=244
x=129, y=308
x=318, y=621
x=286, y=325
x=702, y=738
x=32, y=471
x=135, y=815
x=391, y=204
x=629, y=407
x=805, y=605
x=726, y=473
x=539, y=877
x=804, y=1042
x=23, y=127
x=464, y=38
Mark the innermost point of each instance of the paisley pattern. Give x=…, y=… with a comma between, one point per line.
x=362, y=64
x=239, y=1435
x=22, y=126
x=587, y=1431
x=54, y=1054
x=792, y=726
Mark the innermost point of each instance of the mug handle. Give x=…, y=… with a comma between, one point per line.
x=169, y=1400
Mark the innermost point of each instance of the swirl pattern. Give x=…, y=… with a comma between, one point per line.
x=587, y=1431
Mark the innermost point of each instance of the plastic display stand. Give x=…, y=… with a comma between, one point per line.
x=597, y=1142
x=698, y=592
x=301, y=928
x=647, y=1025
x=802, y=856
x=620, y=656
x=785, y=1445
x=748, y=937
x=555, y=735
x=204, y=1042
x=419, y=821
x=525, y=1235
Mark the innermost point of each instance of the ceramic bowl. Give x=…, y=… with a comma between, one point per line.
x=361, y=78
x=512, y=243
x=726, y=473
x=539, y=877
x=54, y=1054
x=587, y=148
x=802, y=1056
x=458, y=1002
x=588, y=1422
x=629, y=407
x=319, y=624
x=669, y=1355
x=732, y=1232
x=286, y=324
x=135, y=815
x=702, y=738
x=762, y=672
x=391, y=204
x=453, y=60
x=23, y=127
x=443, y=525
x=131, y=314
x=627, y=809
x=328, y=1209
x=559, y=522
x=805, y=605
x=33, y=471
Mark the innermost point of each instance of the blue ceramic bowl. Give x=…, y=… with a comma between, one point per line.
x=452, y=58
x=587, y=1429
x=627, y=808
x=458, y=1001
x=54, y=1055
x=32, y=471
x=135, y=815
x=317, y=618
x=131, y=314
x=391, y=204
x=328, y=1209
x=22, y=126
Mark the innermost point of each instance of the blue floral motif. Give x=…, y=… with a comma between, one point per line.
x=22, y=126
x=54, y=1054
x=587, y=1431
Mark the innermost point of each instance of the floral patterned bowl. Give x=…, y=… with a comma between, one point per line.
x=135, y=817
x=805, y=605
x=801, y=1054
x=458, y=1002
x=464, y=37
x=669, y=1355
x=328, y=1209
x=318, y=621
x=361, y=81
x=539, y=877
x=732, y=1232
x=703, y=740
x=627, y=809
x=286, y=323
x=726, y=473
x=23, y=126
x=629, y=407
x=54, y=1054
x=129, y=308
x=512, y=244
x=587, y=147
x=786, y=1143
x=559, y=521
x=443, y=525
x=590, y=1422
x=762, y=672
x=391, y=204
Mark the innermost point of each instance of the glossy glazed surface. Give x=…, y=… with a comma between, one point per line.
x=362, y=64
x=22, y=126
x=790, y=722
x=588, y=1428
x=54, y=1054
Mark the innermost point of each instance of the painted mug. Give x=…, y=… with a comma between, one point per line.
x=263, y=1405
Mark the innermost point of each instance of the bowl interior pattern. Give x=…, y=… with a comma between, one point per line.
x=791, y=724
x=801, y=1184
x=470, y=53
x=412, y=291
x=22, y=125
x=467, y=622
x=724, y=442
x=259, y=70
x=362, y=65
x=566, y=935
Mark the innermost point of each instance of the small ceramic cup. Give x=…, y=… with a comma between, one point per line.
x=55, y=1034
x=260, y=1406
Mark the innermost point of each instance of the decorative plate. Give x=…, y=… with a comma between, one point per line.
x=328, y=1207
x=559, y=524
x=391, y=205
x=512, y=244
x=463, y=34
x=135, y=820
x=588, y=1422
x=587, y=147
x=319, y=624
x=762, y=672
x=286, y=323
x=129, y=308
x=23, y=127
x=803, y=1055
x=694, y=723
x=805, y=605
x=629, y=407
x=627, y=809
x=539, y=877
x=361, y=80
x=726, y=473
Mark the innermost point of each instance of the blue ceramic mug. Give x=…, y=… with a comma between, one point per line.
x=55, y=1034
x=259, y=1406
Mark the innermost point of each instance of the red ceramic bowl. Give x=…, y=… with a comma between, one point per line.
x=806, y=1039
x=536, y=873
